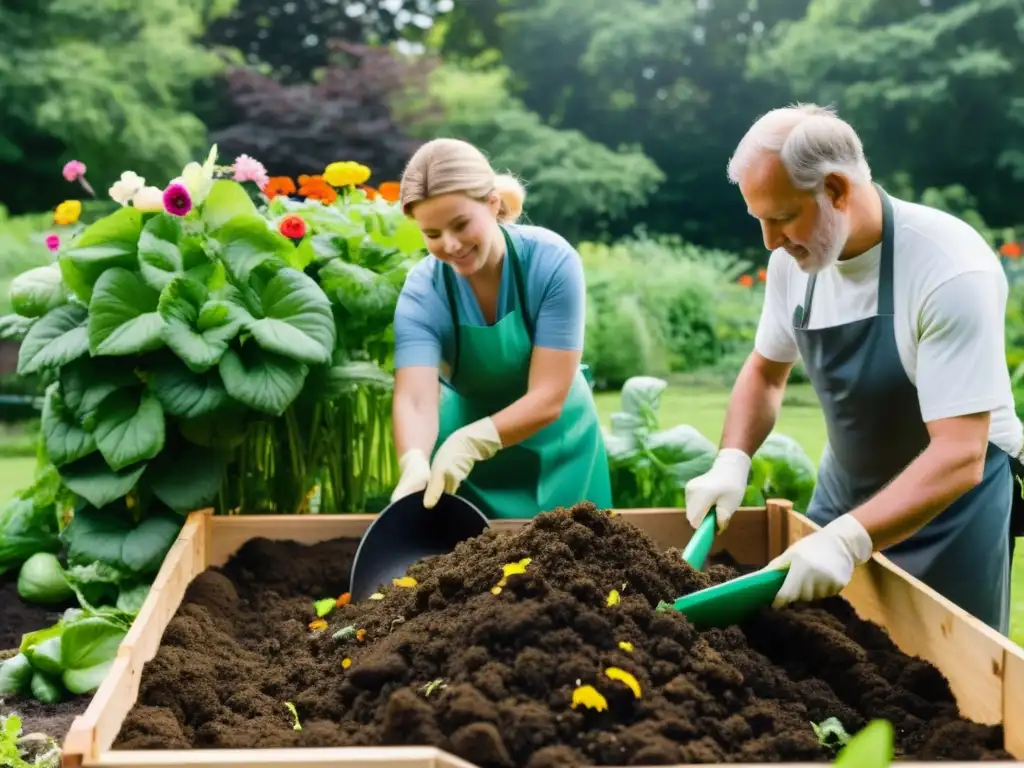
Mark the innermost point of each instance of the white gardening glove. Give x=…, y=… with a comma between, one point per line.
x=457, y=455
x=722, y=487
x=821, y=565
x=415, y=469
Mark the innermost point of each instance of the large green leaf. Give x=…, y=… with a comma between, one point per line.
x=15, y=327
x=26, y=527
x=109, y=242
x=262, y=380
x=248, y=242
x=227, y=200
x=65, y=439
x=84, y=385
x=56, y=339
x=187, y=477
x=186, y=394
x=97, y=483
x=366, y=299
x=197, y=329
x=36, y=291
x=224, y=428
x=111, y=537
x=345, y=378
x=129, y=428
x=123, y=317
x=165, y=251
x=297, y=320
x=88, y=649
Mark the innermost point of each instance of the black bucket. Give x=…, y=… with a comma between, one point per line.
x=406, y=532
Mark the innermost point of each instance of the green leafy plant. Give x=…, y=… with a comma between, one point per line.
x=70, y=658
x=870, y=747
x=650, y=466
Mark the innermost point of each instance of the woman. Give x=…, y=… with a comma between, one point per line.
x=497, y=310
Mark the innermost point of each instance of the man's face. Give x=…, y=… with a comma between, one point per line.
x=808, y=226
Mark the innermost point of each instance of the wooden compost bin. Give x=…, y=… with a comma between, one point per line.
x=984, y=669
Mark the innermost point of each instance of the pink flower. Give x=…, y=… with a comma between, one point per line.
x=177, y=201
x=248, y=169
x=74, y=170
x=53, y=242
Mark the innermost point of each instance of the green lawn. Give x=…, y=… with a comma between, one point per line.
x=801, y=419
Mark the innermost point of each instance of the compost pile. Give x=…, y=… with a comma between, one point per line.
x=489, y=655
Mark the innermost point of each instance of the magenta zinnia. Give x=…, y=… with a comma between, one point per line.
x=177, y=200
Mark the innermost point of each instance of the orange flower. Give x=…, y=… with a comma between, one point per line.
x=390, y=191
x=762, y=275
x=343, y=600
x=279, y=185
x=315, y=188
x=746, y=281
x=360, y=635
x=1010, y=250
x=370, y=192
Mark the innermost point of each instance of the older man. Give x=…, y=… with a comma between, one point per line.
x=897, y=311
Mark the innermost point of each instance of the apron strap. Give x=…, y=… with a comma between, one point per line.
x=520, y=283
x=885, y=266
x=802, y=314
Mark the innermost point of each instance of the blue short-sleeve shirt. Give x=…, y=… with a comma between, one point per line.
x=555, y=300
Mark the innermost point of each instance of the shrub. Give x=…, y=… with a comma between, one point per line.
x=662, y=306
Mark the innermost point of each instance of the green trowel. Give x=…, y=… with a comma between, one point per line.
x=729, y=603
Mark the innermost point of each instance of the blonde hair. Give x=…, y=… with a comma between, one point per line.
x=445, y=166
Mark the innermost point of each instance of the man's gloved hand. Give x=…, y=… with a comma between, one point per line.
x=721, y=487
x=821, y=565
x=415, y=469
x=457, y=455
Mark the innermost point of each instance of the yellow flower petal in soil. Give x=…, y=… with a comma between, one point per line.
x=376, y=596
x=346, y=663
x=588, y=696
x=627, y=647
x=495, y=590
x=510, y=569
x=613, y=598
x=405, y=581
x=317, y=625
x=624, y=677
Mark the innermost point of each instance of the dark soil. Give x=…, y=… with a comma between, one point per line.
x=490, y=677
x=17, y=618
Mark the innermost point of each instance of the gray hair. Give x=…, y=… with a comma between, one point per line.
x=811, y=141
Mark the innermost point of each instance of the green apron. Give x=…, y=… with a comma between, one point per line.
x=560, y=465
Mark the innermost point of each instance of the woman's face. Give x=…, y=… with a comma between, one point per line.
x=459, y=230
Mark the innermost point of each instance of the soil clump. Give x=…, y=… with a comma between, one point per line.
x=483, y=661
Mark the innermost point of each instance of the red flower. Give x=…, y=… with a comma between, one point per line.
x=293, y=227
x=1010, y=250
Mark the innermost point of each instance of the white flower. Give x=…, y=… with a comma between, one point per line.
x=149, y=199
x=198, y=179
x=125, y=189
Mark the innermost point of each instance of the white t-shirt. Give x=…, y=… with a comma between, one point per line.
x=949, y=296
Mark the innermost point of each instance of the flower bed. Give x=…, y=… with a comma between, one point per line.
x=540, y=648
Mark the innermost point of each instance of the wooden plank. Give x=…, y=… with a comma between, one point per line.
x=314, y=757
x=777, y=539
x=1013, y=701
x=923, y=623
x=229, y=533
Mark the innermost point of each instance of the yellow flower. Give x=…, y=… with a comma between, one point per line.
x=626, y=646
x=376, y=596
x=624, y=677
x=346, y=174
x=346, y=663
x=317, y=624
x=67, y=212
x=588, y=696
x=613, y=598
x=405, y=581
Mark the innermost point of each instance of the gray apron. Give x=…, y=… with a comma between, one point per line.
x=875, y=430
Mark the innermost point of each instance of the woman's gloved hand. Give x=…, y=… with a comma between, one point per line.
x=722, y=487
x=455, y=458
x=415, y=469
